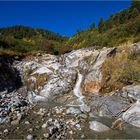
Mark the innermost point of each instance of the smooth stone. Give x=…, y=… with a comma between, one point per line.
x=44, y=125
x=83, y=116
x=98, y=127
x=73, y=110
x=27, y=122
x=132, y=115
x=132, y=91
x=29, y=137
x=6, y=131
x=46, y=135
x=15, y=122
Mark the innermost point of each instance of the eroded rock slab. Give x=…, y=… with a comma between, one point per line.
x=111, y=105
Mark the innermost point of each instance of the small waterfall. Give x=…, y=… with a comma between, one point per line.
x=77, y=92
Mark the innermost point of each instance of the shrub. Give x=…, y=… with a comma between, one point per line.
x=120, y=70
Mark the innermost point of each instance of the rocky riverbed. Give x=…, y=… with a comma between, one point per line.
x=59, y=99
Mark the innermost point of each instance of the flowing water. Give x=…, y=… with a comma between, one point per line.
x=79, y=102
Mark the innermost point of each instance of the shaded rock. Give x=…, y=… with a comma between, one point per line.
x=9, y=75
x=98, y=127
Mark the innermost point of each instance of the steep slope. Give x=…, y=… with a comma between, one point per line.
x=121, y=27
x=26, y=39
x=59, y=96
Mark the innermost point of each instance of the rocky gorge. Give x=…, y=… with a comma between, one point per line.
x=58, y=97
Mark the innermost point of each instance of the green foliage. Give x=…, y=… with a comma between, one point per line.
x=92, y=26
x=121, y=70
x=121, y=27
x=101, y=25
x=26, y=39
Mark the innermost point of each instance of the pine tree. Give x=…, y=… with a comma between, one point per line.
x=101, y=25
x=92, y=26
x=135, y=4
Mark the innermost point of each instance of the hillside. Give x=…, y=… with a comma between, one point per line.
x=25, y=39
x=121, y=27
x=54, y=87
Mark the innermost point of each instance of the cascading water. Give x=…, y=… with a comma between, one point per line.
x=77, y=92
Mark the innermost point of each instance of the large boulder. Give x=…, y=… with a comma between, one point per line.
x=132, y=115
x=45, y=77
x=110, y=105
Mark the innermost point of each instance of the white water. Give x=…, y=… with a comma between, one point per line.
x=77, y=92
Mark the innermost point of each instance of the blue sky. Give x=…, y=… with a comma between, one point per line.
x=63, y=17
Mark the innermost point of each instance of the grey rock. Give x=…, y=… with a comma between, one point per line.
x=110, y=105
x=98, y=127
x=29, y=137
x=6, y=131
x=27, y=122
x=73, y=110
x=132, y=115
x=132, y=91
x=15, y=122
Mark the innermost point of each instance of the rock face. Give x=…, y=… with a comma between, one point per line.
x=70, y=76
x=89, y=61
x=45, y=77
x=93, y=75
x=49, y=76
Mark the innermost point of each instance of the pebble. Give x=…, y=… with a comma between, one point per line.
x=78, y=125
x=71, y=132
x=0, y=132
x=30, y=130
x=84, y=116
x=29, y=137
x=73, y=110
x=15, y=122
x=27, y=122
x=6, y=131
x=44, y=125
x=46, y=135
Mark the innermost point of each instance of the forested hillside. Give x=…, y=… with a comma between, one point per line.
x=26, y=39
x=118, y=28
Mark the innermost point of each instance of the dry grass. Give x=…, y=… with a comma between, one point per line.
x=121, y=69
x=38, y=83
